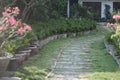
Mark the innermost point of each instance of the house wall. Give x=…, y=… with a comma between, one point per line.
x=103, y=2
x=103, y=7
x=98, y=0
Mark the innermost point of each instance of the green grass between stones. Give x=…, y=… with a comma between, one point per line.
x=47, y=55
x=102, y=60
x=104, y=66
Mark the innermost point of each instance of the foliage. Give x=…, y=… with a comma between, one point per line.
x=59, y=26
x=102, y=60
x=47, y=54
x=11, y=28
x=104, y=76
x=31, y=73
x=116, y=29
x=42, y=61
x=45, y=9
x=58, y=6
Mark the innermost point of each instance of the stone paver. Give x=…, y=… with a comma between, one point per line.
x=74, y=61
x=10, y=78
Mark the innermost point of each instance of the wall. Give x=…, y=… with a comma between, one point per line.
x=103, y=7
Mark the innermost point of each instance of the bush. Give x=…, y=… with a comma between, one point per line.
x=31, y=73
x=62, y=25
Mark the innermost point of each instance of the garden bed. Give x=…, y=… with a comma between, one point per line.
x=111, y=49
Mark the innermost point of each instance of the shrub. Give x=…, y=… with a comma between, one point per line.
x=62, y=25
x=31, y=73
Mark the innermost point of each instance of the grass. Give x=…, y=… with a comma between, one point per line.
x=102, y=60
x=49, y=52
x=47, y=55
x=104, y=76
x=104, y=66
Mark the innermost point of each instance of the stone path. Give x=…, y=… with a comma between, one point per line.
x=74, y=61
x=10, y=78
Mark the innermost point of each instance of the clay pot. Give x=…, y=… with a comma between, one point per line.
x=4, y=61
x=14, y=64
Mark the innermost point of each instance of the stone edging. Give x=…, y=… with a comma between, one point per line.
x=43, y=42
x=111, y=49
x=39, y=44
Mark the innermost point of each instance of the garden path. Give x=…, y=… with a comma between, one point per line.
x=73, y=60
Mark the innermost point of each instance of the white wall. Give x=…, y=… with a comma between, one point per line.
x=103, y=7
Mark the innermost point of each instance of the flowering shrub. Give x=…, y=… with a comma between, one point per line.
x=11, y=28
x=116, y=29
x=115, y=26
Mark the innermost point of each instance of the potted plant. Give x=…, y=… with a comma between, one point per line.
x=11, y=29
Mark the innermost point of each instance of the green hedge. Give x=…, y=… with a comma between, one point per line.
x=60, y=26
x=42, y=30
x=114, y=41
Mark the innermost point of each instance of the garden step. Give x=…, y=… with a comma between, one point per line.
x=73, y=53
x=67, y=78
x=75, y=60
x=74, y=63
x=71, y=73
x=10, y=78
x=73, y=67
x=82, y=65
x=74, y=56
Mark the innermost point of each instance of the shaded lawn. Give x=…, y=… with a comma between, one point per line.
x=102, y=60
x=47, y=55
x=104, y=66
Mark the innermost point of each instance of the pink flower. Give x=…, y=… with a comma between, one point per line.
x=16, y=10
x=1, y=28
x=14, y=27
x=27, y=28
x=8, y=10
x=4, y=28
x=115, y=25
x=117, y=16
x=21, y=31
x=108, y=25
x=11, y=20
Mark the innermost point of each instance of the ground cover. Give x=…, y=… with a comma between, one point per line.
x=104, y=67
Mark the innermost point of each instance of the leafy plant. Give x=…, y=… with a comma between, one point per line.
x=11, y=28
x=31, y=73
x=10, y=47
x=62, y=25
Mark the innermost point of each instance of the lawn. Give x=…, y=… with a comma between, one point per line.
x=104, y=67
x=102, y=60
x=47, y=54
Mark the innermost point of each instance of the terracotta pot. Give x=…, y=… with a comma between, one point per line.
x=55, y=37
x=37, y=43
x=4, y=61
x=34, y=50
x=64, y=35
x=14, y=64
x=25, y=53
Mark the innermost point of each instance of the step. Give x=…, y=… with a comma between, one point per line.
x=73, y=70
x=73, y=67
x=74, y=63
x=84, y=65
x=67, y=78
x=10, y=78
x=71, y=73
x=74, y=60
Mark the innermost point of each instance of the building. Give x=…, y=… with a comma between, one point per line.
x=98, y=6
